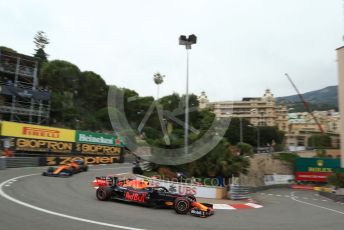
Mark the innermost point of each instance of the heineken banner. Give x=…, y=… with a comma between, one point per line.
x=98, y=139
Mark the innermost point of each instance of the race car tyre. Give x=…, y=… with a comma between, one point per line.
x=137, y=170
x=182, y=205
x=103, y=193
x=192, y=198
x=85, y=168
x=67, y=172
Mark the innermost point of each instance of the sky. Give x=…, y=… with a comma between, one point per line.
x=243, y=47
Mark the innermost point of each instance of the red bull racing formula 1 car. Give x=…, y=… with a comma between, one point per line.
x=139, y=191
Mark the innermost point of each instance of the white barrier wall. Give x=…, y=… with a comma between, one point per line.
x=182, y=188
x=277, y=179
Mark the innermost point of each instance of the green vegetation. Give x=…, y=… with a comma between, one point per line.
x=268, y=135
x=79, y=101
x=320, y=141
x=41, y=40
x=219, y=162
x=245, y=149
x=289, y=158
x=8, y=49
x=336, y=179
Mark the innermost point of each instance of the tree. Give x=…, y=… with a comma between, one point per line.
x=320, y=141
x=41, y=40
x=336, y=179
x=288, y=158
x=233, y=132
x=219, y=162
x=7, y=49
x=245, y=149
x=270, y=135
x=158, y=79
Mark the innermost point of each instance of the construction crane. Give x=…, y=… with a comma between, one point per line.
x=305, y=104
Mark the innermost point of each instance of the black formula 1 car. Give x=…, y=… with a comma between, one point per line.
x=67, y=170
x=139, y=191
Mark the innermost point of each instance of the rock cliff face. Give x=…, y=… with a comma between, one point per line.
x=263, y=164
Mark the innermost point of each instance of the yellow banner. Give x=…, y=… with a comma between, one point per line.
x=13, y=129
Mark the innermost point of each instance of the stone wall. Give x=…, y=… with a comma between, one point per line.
x=263, y=164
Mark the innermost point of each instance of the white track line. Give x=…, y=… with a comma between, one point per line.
x=254, y=205
x=314, y=205
x=223, y=206
x=3, y=194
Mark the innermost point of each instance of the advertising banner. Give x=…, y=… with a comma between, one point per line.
x=46, y=146
x=317, y=165
x=278, y=179
x=98, y=149
x=311, y=176
x=316, y=169
x=13, y=129
x=56, y=160
x=98, y=139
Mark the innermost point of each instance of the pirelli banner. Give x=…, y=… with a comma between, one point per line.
x=21, y=130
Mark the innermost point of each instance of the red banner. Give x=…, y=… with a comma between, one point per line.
x=312, y=176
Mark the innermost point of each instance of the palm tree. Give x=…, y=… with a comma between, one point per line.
x=158, y=79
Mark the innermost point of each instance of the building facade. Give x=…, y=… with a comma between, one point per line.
x=259, y=111
x=340, y=59
x=301, y=126
x=21, y=99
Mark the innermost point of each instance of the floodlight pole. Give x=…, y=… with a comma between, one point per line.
x=186, y=130
x=241, y=131
x=187, y=42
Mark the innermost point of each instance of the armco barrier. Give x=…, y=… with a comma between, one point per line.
x=332, y=196
x=238, y=192
x=2, y=163
x=17, y=162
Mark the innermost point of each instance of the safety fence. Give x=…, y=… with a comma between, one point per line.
x=51, y=160
x=239, y=192
x=18, y=162
x=214, y=192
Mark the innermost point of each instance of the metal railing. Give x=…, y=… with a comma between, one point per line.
x=238, y=192
x=18, y=162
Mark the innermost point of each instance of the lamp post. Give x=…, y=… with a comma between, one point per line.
x=258, y=139
x=241, y=131
x=187, y=42
x=258, y=136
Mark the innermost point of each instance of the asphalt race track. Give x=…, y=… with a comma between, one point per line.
x=41, y=203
